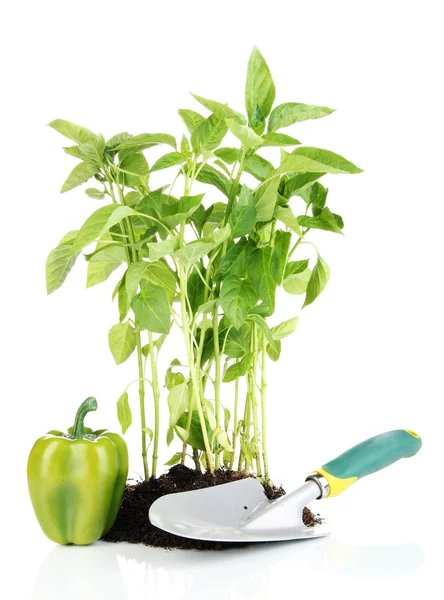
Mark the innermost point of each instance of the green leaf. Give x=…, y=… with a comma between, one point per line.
x=235, y=260
x=147, y=140
x=266, y=199
x=227, y=417
x=150, y=434
x=222, y=111
x=124, y=412
x=244, y=133
x=195, y=437
x=152, y=309
x=207, y=307
x=173, y=379
x=117, y=215
x=185, y=148
x=325, y=220
x=107, y=251
x=262, y=324
x=228, y=155
x=237, y=298
x=258, y=167
x=220, y=163
x=158, y=250
x=60, y=262
x=243, y=215
x=314, y=194
x=174, y=214
x=209, y=134
x=101, y=221
x=259, y=273
x=98, y=272
x=210, y=175
x=93, y=150
x=133, y=277
x=278, y=139
x=122, y=300
x=80, y=174
x=239, y=369
x=74, y=132
x=169, y=439
x=281, y=331
x=93, y=227
x=259, y=88
x=95, y=194
x=174, y=460
x=161, y=274
x=279, y=257
x=191, y=119
x=214, y=216
x=178, y=401
x=122, y=341
x=274, y=352
x=75, y=151
x=117, y=139
x=257, y=121
x=317, y=282
x=191, y=253
x=295, y=112
x=168, y=160
x=134, y=164
x=286, y=216
x=306, y=158
x=298, y=182
x=236, y=341
x=196, y=288
x=220, y=437
x=296, y=283
x=132, y=199
x=295, y=267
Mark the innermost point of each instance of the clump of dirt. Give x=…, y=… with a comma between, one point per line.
x=132, y=524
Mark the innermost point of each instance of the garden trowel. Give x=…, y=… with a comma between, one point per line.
x=240, y=512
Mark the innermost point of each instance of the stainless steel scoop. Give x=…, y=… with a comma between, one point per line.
x=240, y=511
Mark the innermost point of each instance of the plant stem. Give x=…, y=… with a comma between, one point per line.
x=196, y=459
x=217, y=379
x=142, y=404
x=297, y=243
x=246, y=431
x=263, y=407
x=156, y=395
x=78, y=430
x=236, y=401
x=253, y=397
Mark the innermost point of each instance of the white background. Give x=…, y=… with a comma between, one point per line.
x=367, y=356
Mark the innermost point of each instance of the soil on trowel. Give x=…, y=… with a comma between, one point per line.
x=132, y=524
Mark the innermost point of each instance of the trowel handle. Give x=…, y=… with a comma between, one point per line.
x=366, y=458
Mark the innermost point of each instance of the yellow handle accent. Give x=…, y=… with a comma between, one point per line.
x=413, y=433
x=337, y=485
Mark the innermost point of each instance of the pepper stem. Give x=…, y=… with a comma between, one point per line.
x=88, y=405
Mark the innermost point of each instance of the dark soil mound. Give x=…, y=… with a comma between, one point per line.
x=132, y=523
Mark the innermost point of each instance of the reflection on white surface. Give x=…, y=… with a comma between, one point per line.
x=125, y=571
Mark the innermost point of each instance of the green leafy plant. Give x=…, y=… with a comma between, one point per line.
x=209, y=264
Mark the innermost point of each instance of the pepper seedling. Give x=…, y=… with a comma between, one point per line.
x=208, y=263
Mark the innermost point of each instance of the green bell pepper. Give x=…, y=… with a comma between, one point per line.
x=76, y=480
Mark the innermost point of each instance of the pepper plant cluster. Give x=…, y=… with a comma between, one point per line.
x=209, y=266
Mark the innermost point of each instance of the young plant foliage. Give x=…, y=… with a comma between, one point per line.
x=209, y=252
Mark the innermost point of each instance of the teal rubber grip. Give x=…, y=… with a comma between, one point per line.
x=370, y=456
